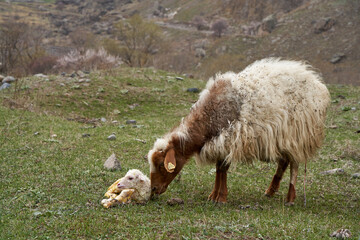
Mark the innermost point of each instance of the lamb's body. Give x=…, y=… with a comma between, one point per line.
x=273, y=110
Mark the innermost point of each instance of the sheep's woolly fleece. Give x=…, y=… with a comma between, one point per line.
x=282, y=108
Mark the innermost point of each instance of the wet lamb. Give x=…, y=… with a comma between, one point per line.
x=133, y=187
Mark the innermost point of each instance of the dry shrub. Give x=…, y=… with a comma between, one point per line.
x=219, y=27
x=89, y=60
x=200, y=23
x=42, y=64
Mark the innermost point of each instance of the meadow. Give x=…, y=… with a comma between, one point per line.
x=53, y=144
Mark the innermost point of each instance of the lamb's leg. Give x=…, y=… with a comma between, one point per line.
x=275, y=183
x=220, y=192
x=293, y=176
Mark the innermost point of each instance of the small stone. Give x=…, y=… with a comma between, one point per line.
x=36, y=133
x=337, y=58
x=63, y=74
x=73, y=75
x=1, y=78
x=117, y=112
x=131, y=122
x=114, y=122
x=323, y=25
x=179, y=78
x=81, y=80
x=175, y=201
x=193, y=90
x=40, y=75
x=353, y=108
x=341, y=233
x=112, y=137
x=333, y=171
x=356, y=175
x=80, y=73
x=5, y=86
x=341, y=96
x=53, y=135
x=85, y=135
x=133, y=106
x=9, y=79
x=333, y=127
x=112, y=163
x=138, y=126
x=103, y=119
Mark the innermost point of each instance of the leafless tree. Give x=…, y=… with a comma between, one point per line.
x=219, y=27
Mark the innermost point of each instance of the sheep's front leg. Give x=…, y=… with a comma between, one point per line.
x=275, y=183
x=220, y=191
x=293, y=176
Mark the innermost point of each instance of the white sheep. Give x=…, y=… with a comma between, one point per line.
x=274, y=110
x=134, y=186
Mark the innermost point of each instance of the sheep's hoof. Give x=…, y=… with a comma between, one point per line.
x=217, y=199
x=269, y=193
x=289, y=204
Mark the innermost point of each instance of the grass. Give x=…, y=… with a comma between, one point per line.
x=51, y=186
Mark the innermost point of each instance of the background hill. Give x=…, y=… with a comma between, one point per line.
x=322, y=32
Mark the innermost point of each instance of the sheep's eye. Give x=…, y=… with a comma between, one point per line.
x=130, y=178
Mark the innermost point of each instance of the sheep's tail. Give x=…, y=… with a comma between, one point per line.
x=305, y=185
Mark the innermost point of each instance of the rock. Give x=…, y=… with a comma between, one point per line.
x=333, y=171
x=269, y=23
x=193, y=90
x=80, y=73
x=40, y=75
x=85, y=135
x=131, y=122
x=103, y=119
x=112, y=137
x=356, y=175
x=179, y=78
x=341, y=233
x=5, y=86
x=116, y=111
x=1, y=78
x=175, y=201
x=36, y=133
x=112, y=163
x=200, y=52
x=341, y=96
x=73, y=75
x=323, y=25
x=8, y=79
x=337, y=58
x=333, y=127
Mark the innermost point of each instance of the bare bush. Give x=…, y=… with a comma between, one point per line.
x=200, y=23
x=83, y=40
x=90, y=60
x=140, y=40
x=42, y=64
x=219, y=27
x=19, y=46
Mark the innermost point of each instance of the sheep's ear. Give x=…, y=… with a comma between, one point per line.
x=170, y=162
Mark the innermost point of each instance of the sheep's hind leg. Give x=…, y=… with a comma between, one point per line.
x=293, y=176
x=275, y=183
x=220, y=191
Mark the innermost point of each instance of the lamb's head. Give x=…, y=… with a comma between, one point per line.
x=164, y=165
x=134, y=179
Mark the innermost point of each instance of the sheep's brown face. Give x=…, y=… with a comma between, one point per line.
x=163, y=169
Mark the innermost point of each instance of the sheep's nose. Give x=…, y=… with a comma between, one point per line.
x=120, y=185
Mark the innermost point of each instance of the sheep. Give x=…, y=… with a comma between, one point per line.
x=134, y=186
x=272, y=111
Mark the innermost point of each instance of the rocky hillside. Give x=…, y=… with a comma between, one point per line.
x=322, y=32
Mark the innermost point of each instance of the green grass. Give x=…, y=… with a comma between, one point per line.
x=51, y=187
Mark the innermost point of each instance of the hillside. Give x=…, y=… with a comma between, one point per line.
x=322, y=32
x=53, y=137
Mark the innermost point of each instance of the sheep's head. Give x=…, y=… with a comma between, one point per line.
x=133, y=179
x=164, y=165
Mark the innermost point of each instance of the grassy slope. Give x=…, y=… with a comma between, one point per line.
x=51, y=187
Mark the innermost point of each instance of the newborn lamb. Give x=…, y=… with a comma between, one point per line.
x=135, y=186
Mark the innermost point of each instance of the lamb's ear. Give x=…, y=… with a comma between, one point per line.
x=170, y=162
